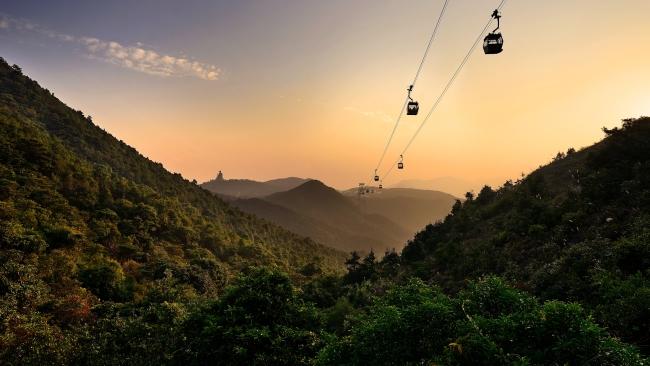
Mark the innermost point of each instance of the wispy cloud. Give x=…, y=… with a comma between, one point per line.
x=134, y=57
x=371, y=114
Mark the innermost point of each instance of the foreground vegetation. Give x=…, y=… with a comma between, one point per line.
x=108, y=259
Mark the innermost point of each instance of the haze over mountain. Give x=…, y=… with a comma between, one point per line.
x=246, y=188
x=410, y=208
x=380, y=221
x=456, y=186
x=324, y=214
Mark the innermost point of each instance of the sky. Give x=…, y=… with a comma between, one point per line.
x=263, y=89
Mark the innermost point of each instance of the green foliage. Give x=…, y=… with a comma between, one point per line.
x=260, y=320
x=360, y=270
x=104, y=278
x=488, y=323
x=574, y=230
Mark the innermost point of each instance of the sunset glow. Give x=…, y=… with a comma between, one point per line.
x=267, y=89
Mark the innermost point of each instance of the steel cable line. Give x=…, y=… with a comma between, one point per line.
x=415, y=79
x=444, y=91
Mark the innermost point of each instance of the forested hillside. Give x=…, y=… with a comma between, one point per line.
x=86, y=221
x=577, y=229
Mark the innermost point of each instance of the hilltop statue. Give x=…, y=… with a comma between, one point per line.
x=220, y=176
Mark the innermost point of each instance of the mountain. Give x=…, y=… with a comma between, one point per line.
x=245, y=188
x=412, y=209
x=324, y=214
x=89, y=225
x=455, y=186
x=383, y=220
x=301, y=224
x=577, y=229
x=314, y=199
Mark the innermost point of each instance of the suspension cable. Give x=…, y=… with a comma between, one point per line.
x=444, y=91
x=415, y=80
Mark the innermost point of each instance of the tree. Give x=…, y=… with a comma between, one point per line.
x=353, y=263
x=486, y=195
x=259, y=320
x=489, y=323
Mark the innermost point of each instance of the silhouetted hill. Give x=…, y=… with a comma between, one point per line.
x=314, y=199
x=245, y=188
x=576, y=229
x=301, y=224
x=333, y=218
x=285, y=184
x=383, y=220
x=453, y=185
x=409, y=208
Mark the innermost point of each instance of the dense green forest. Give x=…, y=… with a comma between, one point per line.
x=577, y=229
x=108, y=259
x=86, y=221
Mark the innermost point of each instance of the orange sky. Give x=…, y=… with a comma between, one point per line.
x=311, y=89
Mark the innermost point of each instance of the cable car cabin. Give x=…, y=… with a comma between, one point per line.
x=412, y=108
x=376, y=178
x=400, y=165
x=493, y=44
x=381, y=186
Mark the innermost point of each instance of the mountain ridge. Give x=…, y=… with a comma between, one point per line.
x=576, y=229
x=316, y=200
x=247, y=188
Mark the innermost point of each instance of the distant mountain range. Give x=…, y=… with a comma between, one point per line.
x=245, y=188
x=456, y=186
x=379, y=221
x=412, y=209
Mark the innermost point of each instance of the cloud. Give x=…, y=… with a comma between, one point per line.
x=135, y=57
x=370, y=114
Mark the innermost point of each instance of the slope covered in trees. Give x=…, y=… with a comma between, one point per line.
x=86, y=221
x=577, y=229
